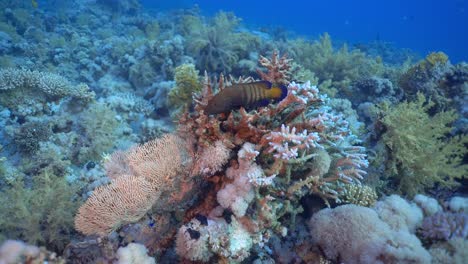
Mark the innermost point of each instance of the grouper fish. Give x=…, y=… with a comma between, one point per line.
x=247, y=95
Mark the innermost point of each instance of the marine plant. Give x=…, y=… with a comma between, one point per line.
x=26, y=212
x=421, y=154
x=99, y=125
x=216, y=47
x=187, y=82
x=341, y=67
x=431, y=77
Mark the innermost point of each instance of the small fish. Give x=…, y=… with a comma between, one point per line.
x=202, y=219
x=245, y=95
x=194, y=234
x=34, y=3
x=227, y=215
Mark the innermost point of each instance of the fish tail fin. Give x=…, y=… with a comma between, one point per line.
x=278, y=92
x=284, y=92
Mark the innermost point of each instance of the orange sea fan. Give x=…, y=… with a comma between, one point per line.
x=125, y=200
x=139, y=176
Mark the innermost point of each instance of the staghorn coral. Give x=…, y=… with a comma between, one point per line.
x=278, y=68
x=420, y=155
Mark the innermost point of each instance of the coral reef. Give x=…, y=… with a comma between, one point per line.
x=90, y=90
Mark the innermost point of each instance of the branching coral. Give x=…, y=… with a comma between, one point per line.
x=17, y=84
x=286, y=151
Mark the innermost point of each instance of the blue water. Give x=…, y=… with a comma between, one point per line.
x=421, y=25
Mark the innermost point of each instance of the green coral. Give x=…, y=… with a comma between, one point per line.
x=358, y=194
x=152, y=30
x=420, y=155
x=340, y=67
x=187, y=82
x=431, y=77
x=216, y=46
x=99, y=125
x=40, y=215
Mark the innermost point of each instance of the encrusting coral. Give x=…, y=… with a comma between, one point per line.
x=356, y=234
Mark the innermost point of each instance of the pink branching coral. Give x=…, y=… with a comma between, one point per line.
x=278, y=68
x=280, y=141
